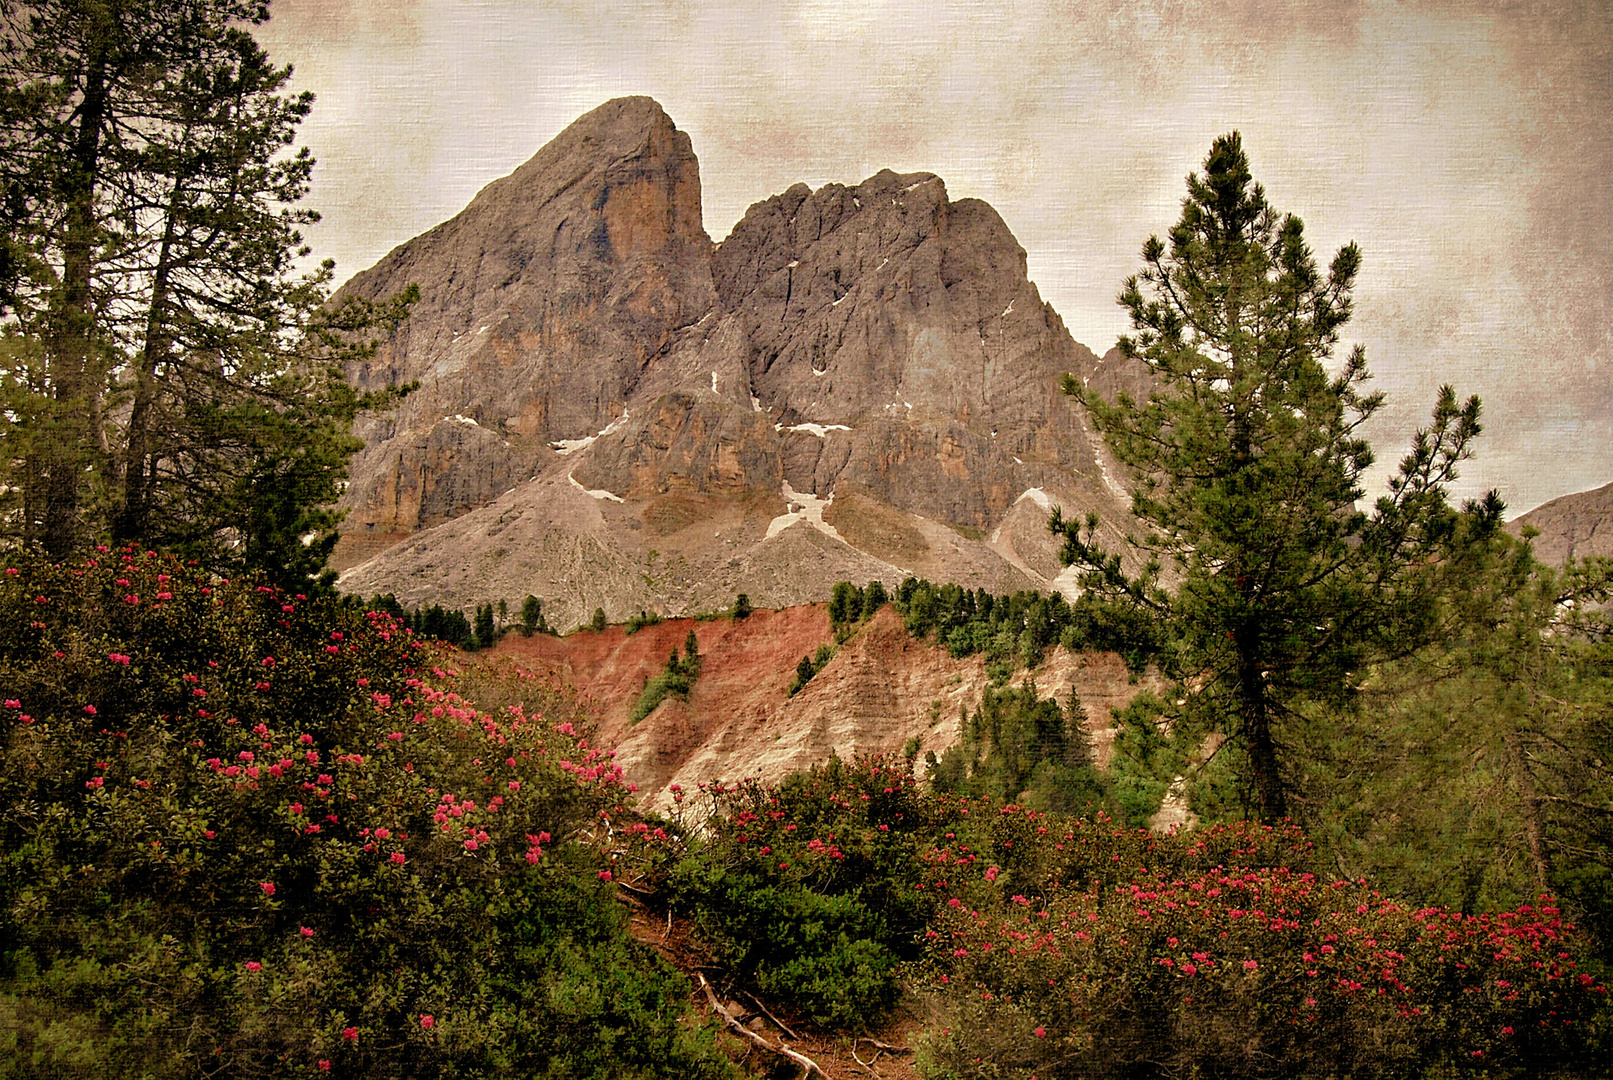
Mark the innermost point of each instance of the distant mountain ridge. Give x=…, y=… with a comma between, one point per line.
x=1576, y=526
x=615, y=412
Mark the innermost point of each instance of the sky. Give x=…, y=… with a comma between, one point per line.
x=1466, y=147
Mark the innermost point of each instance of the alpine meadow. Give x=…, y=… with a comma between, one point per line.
x=578, y=647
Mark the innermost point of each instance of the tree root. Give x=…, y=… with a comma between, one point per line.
x=740, y=1029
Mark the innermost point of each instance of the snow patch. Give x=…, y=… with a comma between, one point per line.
x=792, y=264
x=820, y=430
x=755, y=403
x=807, y=508
x=571, y=446
x=837, y=303
x=459, y=418
x=598, y=493
x=1037, y=496
x=714, y=389
x=819, y=373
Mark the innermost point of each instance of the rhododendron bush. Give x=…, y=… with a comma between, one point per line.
x=249, y=833
x=1059, y=947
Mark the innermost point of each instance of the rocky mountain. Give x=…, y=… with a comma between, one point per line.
x=614, y=412
x=1577, y=526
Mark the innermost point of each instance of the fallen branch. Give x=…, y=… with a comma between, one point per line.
x=886, y=1046
x=623, y=884
x=782, y=1026
x=716, y=1006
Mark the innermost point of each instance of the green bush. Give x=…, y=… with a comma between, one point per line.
x=248, y=833
x=1056, y=946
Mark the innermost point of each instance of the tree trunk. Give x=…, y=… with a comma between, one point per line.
x=71, y=361
x=1255, y=715
x=134, y=511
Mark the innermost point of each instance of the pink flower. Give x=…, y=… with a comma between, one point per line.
x=1040, y=1033
x=350, y=1034
x=305, y=739
x=267, y=887
x=991, y=874
x=210, y=834
x=1190, y=969
x=383, y=834
x=604, y=875
x=13, y=703
x=397, y=857
x=89, y=710
x=1250, y=965
x=470, y=845
x=514, y=785
x=307, y=931
x=324, y=1066
x=253, y=965
x=427, y=1020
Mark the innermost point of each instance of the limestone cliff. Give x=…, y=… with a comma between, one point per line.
x=858, y=382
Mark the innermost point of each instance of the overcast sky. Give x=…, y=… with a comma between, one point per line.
x=1467, y=147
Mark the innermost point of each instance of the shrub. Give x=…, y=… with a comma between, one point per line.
x=677, y=678
x=245, y=832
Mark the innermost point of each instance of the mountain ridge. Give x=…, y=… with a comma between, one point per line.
x=616, y=412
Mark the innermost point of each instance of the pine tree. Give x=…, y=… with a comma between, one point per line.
x=1276, y=590
x=172, y=378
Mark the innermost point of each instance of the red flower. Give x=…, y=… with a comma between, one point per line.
x=350, y=1034
x=267, y=887
x=427, y=1020
x=307, y=931
x=324, y=1066
x=604, y=875
x=397, y=857
x=253, y=965
x=1040, y=1033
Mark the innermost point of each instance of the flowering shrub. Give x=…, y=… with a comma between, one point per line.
x=1062, y=947
x=806, y=889
x=249, y=832
x=1194, y=966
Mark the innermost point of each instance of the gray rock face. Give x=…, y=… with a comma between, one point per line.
x=541, y=305
x=868, y=363
x=1577, y=526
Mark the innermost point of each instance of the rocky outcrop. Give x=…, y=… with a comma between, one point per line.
x=541, y=304
x=1577, y=526
x=858, y=382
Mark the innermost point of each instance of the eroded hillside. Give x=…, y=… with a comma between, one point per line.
x=881, y=689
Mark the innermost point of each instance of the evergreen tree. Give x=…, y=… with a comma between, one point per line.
x=531, y=615
x=486, y=632
x=742, y=608
x=171, y=378
x=1248, y=458
x=874, y=598
x=597, y=624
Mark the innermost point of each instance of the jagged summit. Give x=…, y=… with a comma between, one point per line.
x=859, y=381
x=540, y=305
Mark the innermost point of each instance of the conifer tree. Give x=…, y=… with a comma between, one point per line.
x=1275, y=588
x=171, y=377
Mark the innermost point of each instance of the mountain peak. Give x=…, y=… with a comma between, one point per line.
x=858, y=382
